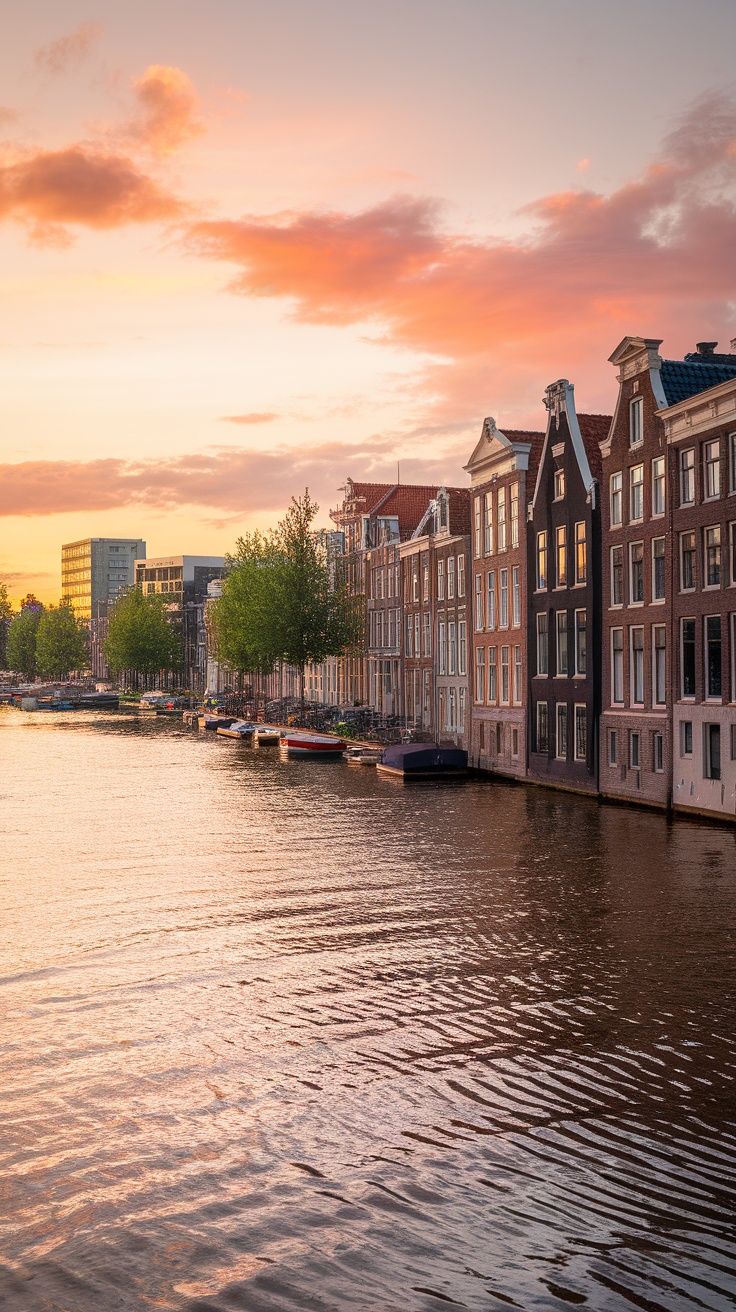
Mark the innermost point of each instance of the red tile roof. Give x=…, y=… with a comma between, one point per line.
x=405, y=501
x=594, y=430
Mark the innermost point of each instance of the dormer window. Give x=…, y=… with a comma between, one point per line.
x=636, y=425
x=559, y=484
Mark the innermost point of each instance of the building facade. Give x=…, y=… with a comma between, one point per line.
x=94, y=571
x=563, y=562
x=502, y=472
x=184, y=582
x=384, y=626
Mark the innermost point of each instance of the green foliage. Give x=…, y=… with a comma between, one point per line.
x=60, y=643
x=6, y=615
x=241, y=620
x=140, y=635
x=21, y=646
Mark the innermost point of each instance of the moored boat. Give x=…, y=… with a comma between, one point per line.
x=213, y=722
x=424, y=761
x=267, y=737
x=364, y=755
x=241, y=729
x=320, y=746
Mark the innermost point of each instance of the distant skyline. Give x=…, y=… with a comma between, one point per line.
x=248, y=248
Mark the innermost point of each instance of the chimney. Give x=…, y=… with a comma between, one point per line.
x=705, y=348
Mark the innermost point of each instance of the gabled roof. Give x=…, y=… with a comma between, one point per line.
x=684, y=378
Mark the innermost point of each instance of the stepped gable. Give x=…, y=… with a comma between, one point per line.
x=594, y=429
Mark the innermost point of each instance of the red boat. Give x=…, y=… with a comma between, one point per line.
x=299, y=743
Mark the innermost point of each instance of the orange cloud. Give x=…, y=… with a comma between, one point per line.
x=255, y=417
x=169, y=105
x=71, y=49
x=80, y=185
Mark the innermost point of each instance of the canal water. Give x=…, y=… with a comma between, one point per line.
x=285, y=1036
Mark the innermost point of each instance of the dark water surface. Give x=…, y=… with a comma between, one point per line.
x=285, y=1035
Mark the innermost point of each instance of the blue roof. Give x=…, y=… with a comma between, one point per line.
x=684, y=378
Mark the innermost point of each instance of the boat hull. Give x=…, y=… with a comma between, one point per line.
x=318, y=748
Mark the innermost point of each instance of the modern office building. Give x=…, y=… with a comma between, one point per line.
x=94, y=571
x=185, y=583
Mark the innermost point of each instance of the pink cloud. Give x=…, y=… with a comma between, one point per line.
x=70, y=49
x=255, y=417
x=169, y=107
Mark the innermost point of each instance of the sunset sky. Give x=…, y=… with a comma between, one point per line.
x=250, y=247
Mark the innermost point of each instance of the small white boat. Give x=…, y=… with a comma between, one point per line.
x=297, y=742
x=364, y=755
x=267, y=737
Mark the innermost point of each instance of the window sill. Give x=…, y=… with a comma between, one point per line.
x=711, y=587
x=658, y=601
x=634, y=605
x=616, y=605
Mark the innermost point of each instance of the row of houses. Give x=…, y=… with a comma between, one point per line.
x=570, y=616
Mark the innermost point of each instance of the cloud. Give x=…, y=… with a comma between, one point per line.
x=230, y=480
x=80, y=185
x=169, y=110
x=71, y=49
x=658, y=251
x=255, y=417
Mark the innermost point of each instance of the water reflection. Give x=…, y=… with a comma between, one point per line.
x=278, y=1036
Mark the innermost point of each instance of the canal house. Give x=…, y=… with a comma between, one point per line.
x=563, y=560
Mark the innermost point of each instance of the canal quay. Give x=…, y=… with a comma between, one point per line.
x=280, y=1035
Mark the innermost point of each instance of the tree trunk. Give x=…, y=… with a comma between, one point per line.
x=301, y=693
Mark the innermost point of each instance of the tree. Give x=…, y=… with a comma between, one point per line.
x=140, y=636
x=21, y=649
x=60, y=643
x=241, y=621
x=6, y=615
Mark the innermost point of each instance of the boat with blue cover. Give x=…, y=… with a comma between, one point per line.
x=423, y=761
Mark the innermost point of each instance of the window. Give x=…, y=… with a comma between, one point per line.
x=451, y=577
x=687, y=562
x=514, y=742
x=637, y=667
x=561, y=741
x=658, y=568
x=686, y=738
x=712, y=751
x=415, y=581
x=636, y=493
x=488, y=524
x=635, y=751
x=616, y=499
x=581, y=642
x=427, y=633
x=713, y=681
x=713, y=557
x=732, y=556
x=150, y=587
x=409, y=647
x=491, y=616
x=733, y=742
x=659, y=661
x=461, y=576
x=636, y=572
x=617, y=666
x=561, y=555
x=517, y=674
x=505, y=674
x=478, y=602
x=480, y=673
x=581, y=733
x=541, y=560
x=658, y=753
x=461, y=721
x=542, y=644
x=613, y=747
x=452, y=710
x=617, y=576
x=542, y=727
x=440, y=580
x=732, y=462
x=636, y=428
x=476, y=516
x=687, y=477
x=712, y=469
x=581, y=554
x=516, y=597
x=687, y=657
x=499, y=739
x=417, y=622
x=562, y=642
x=443, y=647
x=451, y=647
x=502, y=519
x=503, y=609
x=492, y=675
x=462, y=647
x=514, y=494
x=559, y=484
x=658, y=486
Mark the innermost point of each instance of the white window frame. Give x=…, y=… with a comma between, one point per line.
x=636, y=666
x=711, y=470
x=542, y=556
x=581, y=674
x=636, y=491
x=491, y=599
x=657, y=647
x=503, y=599
x=632, y=600
x=655, y=599
x=515, y=597
x=617, y=605
x=542, y=646
x=707, y=586
x=686, y=475
x=480, y=675
x=493, y=676
x=616, y=496
x=659, y=487
x=636, y=421
x=505, y=676
x=578, y=707
x=560, y=717
x=560, y=673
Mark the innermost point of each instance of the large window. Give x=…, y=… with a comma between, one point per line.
x=687, y=477
x=461, y=576
x=462, y=647
x=636, y=493
x=409, y=643
x=479, y=602
x=636, y=427
x=480, y=673
x=562, y=642
x=616, y=499
x=617, y=576
x=637, y=666
x=542, y=644
x=516, y=596
x=425, y=582
x=427, y=633
x=581, y=732
x=451, y=647
x=502, y=519
x=491, y=599
x=542, y=727
x=440, y=580
x=687, y=562
x=636, y=572
x=488, y=524
x=635, y=750
x=492, y=675
x=712, y=751
x=712, y=469
x=713, y=557
x=617, y=666
x=541, y=560
x=713, y=679
x=477, y=524
x=451, y=577
x=559, y=484
x=517, y=674
x=503, y=607
x=687, y=657
x=658, y=486
x=581, y=553
x=514, y=494
x=659, y=664
x=561, y=740
x=581, y=642
x=561, y=555
x=658, y=569
x=505, y=675
x=443, y=647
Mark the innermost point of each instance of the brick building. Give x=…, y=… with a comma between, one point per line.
x=384, y=624
x=502, y=470
x=563, y=544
